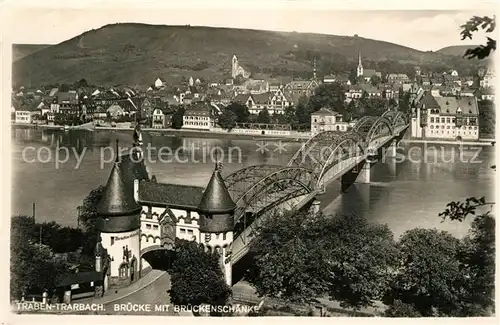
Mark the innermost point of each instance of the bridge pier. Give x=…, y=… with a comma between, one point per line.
x=314, y=209
x=359, y=174
x=364, y=174
x=390, y=152
x=391, y=164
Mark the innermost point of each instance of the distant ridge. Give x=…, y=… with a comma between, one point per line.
x=455, y=50
x=19, y=51
x=137, y=54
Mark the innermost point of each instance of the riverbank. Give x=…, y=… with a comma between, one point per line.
x=211, y=134
x=481, y=142
x=295, y=136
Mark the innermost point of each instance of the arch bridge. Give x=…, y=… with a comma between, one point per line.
x=263, y=190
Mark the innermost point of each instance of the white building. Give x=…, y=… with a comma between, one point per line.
x=327, y=120
x=198, y=117
x=449, y=118
x=158, y=83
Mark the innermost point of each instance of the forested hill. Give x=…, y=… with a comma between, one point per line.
x=136, y=54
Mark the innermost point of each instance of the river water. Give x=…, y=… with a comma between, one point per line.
x=405, y=195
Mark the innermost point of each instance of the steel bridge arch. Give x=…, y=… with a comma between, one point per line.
x=373, y=123
x=326, y=139
x=397, y=118
x=339, y=152
x=276, y=183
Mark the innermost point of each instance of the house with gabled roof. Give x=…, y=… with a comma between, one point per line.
x=327, y=120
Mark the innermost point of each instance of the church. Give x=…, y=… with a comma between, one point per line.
x=136, y=215
x=237, y=69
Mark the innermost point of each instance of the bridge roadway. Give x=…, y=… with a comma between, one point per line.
x=262, y=191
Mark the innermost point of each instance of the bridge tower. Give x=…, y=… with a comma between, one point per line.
x=119, y=224
x=216, y=211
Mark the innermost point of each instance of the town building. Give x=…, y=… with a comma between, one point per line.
x=398, y=77
x=162, y=118
x=487, y=94
x=327, y=120
x=341, y=79
x=488, y=80
x=198, y=117
x=450, y=118
x=275, y=102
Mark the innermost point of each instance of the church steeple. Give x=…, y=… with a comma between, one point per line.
x=359, y=70
x=314, y=69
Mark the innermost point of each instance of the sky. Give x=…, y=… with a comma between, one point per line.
x=420, y=29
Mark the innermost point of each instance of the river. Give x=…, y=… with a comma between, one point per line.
x=407, y=196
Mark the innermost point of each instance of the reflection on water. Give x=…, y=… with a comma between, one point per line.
x=404, y=195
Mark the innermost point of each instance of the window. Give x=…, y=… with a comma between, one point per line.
x=123, y=270
x=112, y=240
x=217, y=236
x=432, y=119
x=190, y=231
x=443, y=120
x=448, y=120
x=183, y=231
x=224, y=236
x=432, y=126
x=148, y=226
x=155, y=227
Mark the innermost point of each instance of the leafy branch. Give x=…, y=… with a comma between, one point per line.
x=457, y=210
x=470, y=27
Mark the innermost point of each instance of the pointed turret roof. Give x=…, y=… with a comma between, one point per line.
x=216, y=198
x=118, y=198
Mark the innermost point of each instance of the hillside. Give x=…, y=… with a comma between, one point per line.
x=456, y=50
x=136, y=54
x=19, y=51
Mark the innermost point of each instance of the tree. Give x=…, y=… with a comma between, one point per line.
x=400, y=309
x=375, y=80
x=302, y=111
x=404, y=103
x=178, y=118
x=360, y=260
x=428, y=272
x=33, y=267
x=197, y=277
x=88, y=217
x=373, y=106
x=290, y=116
x=486, y=117
x=471, y=26
x=477, y=255
x=264, y=116
x=287, y=266
x=329, y=96
x=343, y=256
x=241, y=112
x=82, y=83
x=227, y=120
